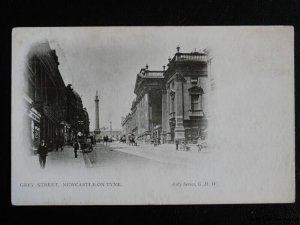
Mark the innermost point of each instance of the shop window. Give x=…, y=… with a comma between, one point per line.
x=188, y=134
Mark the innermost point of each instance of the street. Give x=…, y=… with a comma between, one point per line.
x=123, y=157
x=139, y=173
x=116, y=157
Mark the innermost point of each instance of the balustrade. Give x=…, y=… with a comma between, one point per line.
x=191, y=57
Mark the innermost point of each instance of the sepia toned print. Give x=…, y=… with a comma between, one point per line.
x=129, y=115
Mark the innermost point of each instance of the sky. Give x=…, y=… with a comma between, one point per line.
x=107, y=59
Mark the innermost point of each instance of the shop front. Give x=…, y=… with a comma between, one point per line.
x=34, y=117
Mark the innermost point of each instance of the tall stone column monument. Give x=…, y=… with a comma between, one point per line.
x=97, y=129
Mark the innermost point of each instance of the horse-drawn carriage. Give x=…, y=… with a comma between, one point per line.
x=132, y=140
x=202, y=144
x=123, y=139
x=86, y=144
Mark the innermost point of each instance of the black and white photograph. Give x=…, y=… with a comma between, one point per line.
x=152, y=115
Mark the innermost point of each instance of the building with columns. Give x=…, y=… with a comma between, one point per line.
x=146, y=110
x=171, y=104
x=114, y=134
x=184, y=99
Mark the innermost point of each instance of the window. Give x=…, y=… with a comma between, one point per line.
x=194, y=80
x=195, y=102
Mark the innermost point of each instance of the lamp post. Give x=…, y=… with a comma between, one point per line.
x=110, y=129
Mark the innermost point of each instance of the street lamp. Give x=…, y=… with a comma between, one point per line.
x=110, y=129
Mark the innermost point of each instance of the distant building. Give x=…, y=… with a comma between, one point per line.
x=127, y=126
x=111, y=133
x=85, y=123
x=146, y=110
x=77, y=116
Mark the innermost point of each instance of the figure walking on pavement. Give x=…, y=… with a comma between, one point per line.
x=62, y=145
x=177, y=143
x=76, y=147
x=106, y=139
x=42, y=151
x=56, y=143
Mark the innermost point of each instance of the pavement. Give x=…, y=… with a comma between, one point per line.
x=111, y=158
x=165, y=153
x=64, y=159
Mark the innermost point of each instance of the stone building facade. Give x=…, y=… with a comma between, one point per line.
x=85, y=124
x=171, y=104
x=127, y=126
x=146, y=110
x=49, y=107
x=185, y=97
x=114, y=134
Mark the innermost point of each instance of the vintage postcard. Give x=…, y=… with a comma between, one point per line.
x=153, y=115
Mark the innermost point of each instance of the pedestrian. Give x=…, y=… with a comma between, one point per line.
x=106, y=139
x=177, y=143
x=62, y=145
x=56, y=144
x=76, y=147
x=135, y=140
x=42, y=151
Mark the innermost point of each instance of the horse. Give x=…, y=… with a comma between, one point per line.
x=123, y=139
x=132, y=141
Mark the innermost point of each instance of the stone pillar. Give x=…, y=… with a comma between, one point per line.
x=97, y=129
x=146, y=133
x=179, y=129
x=96, y=113
x=147, y=117
x=167, y=113
x=165, y=117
